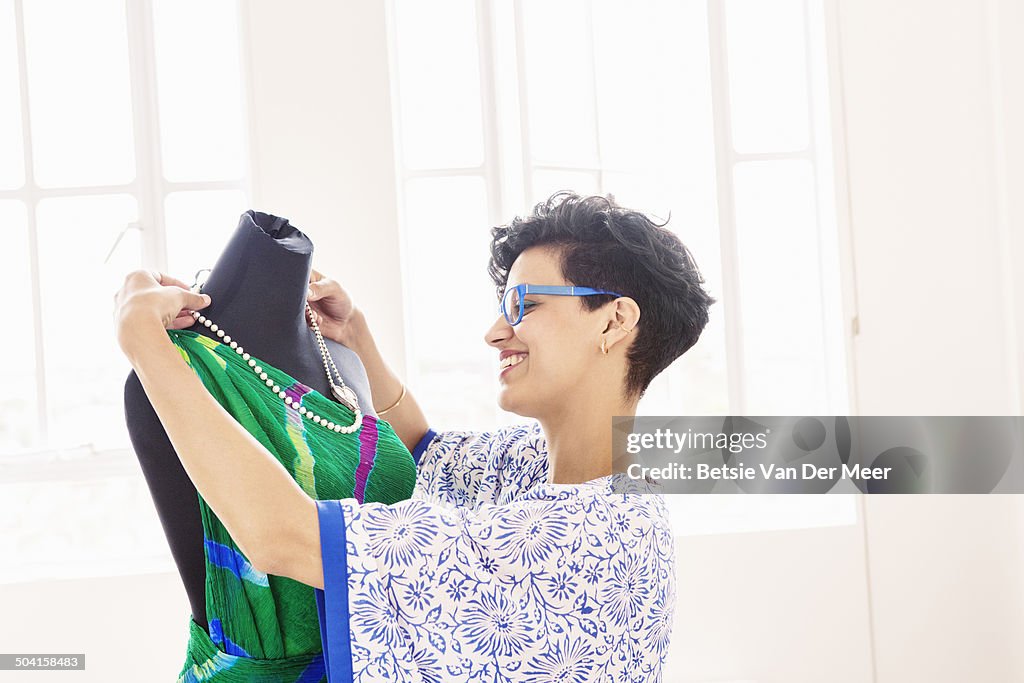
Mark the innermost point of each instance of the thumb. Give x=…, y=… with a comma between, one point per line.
x=197, y=301
x=313, y=292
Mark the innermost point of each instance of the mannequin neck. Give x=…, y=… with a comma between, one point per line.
x=260, y=280
x=258, y=292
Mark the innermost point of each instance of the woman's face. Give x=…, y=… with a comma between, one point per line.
x=558, y=341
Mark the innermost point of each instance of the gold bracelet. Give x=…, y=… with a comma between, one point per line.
x=393, y=405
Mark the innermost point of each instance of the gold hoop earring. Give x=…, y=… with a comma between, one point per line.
x=604, y=348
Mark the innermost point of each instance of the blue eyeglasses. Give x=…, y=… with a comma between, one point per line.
x=512, y=303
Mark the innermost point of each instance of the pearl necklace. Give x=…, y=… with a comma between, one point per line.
x=343, y=393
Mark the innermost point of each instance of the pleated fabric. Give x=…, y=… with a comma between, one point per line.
x=265, y=627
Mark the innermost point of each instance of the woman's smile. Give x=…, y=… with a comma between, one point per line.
x=510, y=362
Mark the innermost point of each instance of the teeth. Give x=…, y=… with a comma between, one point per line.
x=509, y=361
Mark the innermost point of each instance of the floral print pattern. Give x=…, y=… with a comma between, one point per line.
x=492, y=573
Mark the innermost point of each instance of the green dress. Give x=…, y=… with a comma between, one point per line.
x=265, y=627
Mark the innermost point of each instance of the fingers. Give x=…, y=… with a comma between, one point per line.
x=183, y=321
x=321, y=286
x=168, y=280
x=314, y=291
x=195, y=301
x=143, y=274
x=318, y=290
x=192, y=301
x=161, y=278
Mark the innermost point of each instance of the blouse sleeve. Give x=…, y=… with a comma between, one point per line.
x=420, y=591
x=466, y=468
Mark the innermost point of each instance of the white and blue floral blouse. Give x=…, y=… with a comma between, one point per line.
x=492, y=573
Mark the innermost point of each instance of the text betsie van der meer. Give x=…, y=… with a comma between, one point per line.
x=666, y=440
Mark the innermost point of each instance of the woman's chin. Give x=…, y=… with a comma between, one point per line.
x=504, y=400
x=510, y=401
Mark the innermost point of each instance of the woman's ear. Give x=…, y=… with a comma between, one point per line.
x=623, y=320
x=627, y=313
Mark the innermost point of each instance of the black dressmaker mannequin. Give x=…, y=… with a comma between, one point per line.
x=258, y=291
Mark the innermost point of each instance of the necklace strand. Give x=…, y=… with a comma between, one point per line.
x=340, y=391
x=343, y=393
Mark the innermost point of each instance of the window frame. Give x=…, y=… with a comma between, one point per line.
x=818, y=152
x=508, y=172
x=149, y=188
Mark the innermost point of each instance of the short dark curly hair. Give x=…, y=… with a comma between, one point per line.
x=607, y=246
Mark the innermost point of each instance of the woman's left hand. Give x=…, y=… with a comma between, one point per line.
x=148, y=296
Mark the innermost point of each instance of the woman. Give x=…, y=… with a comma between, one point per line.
x=515, y=559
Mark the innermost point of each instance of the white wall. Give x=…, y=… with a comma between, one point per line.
x=322, y=145
x=933, y=97
x=131, y=628
x=925, y=589
x=772, y=607
x=930, y=142
x=946, y=589
x=1007, y=50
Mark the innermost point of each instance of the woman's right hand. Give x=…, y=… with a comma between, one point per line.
x=332, y=309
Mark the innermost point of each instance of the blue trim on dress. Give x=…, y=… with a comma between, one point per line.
x=332, y=601
x=421, y=447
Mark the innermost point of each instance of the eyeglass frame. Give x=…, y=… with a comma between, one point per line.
x=555, y=290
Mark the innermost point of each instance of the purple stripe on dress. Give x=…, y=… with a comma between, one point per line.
x=367, y=453
x=297, y=391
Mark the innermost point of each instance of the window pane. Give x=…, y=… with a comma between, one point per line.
x=696, y=384
x=653, y=194
x=12, y=167
x=18, y=420
x=767, y=63
x=77, y=59
x=198, y=227
x=439, y=81
x=450, y=307
x=780, y=289
x=200, y=89
x=630, y=82
x=546, y=183
x=657, y=132
x=653, y=85
x=85, y=370
x=703, y=381
x=560, y=95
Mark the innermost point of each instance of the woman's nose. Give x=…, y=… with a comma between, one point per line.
x=498, y=332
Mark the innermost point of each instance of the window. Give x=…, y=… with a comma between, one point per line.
x=132, y=153
x=711, y=112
